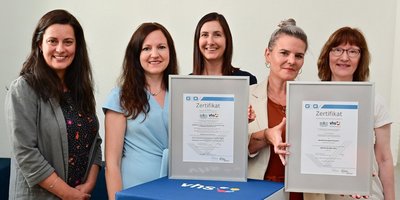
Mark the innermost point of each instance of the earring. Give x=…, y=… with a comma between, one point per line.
x=267, y=65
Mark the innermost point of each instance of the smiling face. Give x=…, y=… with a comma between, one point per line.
x=343, y=66
x=286, y=57
x=212, y=41
x=154, y=56
x=58, y=47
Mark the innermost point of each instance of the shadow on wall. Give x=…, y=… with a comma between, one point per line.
x=99, y=192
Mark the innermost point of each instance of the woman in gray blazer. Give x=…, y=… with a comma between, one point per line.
x=51, y=118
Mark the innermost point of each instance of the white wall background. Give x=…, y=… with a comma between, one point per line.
x=108, y=26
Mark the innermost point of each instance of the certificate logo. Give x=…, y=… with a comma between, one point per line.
x=213, y=115
x=191, y=98
x=332, y=124
x=313, y=106
x=203, y=116
x=323, y=124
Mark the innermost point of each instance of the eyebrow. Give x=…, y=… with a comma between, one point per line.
x=218, y=31
x=162, y=43
x=58, y=39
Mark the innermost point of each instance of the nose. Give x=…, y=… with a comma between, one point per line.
x=210, y=39
x=60, y=47
x=291, y=59
x=344, y=56
x=154, y=52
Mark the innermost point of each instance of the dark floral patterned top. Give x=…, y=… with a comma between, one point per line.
x=81, y=130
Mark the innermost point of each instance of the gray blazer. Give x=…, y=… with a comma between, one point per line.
x=39, y=141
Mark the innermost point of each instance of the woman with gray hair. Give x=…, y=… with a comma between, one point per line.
x=284, y=57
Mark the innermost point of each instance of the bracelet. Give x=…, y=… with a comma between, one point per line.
x=54, y=183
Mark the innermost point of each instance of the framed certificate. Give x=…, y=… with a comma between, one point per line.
x=330, y=129
x=208, y=127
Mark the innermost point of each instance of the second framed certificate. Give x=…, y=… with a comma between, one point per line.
x=208, y=127
x=330, y=129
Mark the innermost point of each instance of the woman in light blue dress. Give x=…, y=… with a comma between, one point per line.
x=136, y=112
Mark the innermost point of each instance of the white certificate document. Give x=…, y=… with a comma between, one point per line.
x=329, y=138
x=208, y=121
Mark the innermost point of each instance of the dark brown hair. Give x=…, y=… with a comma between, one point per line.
x=345, y=35
x=198, y=58
x=134, y=98
x=78, y=76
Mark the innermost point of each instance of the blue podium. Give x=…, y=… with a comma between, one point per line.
x=177, y=189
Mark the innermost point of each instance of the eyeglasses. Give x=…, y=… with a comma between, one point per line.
x=352, y=53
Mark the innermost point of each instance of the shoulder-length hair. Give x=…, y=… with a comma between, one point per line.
x=134, y=99
x=345, y=35
x=78, y=76
x=198, y=58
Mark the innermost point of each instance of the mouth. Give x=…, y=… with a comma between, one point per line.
x=60, y=58
x=154, y=62
x=290, y=69
x=342, y=65
x=211, y=48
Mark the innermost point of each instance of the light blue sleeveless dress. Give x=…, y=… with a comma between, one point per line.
x=145, y=151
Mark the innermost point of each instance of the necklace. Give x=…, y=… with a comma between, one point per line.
x=155, y=93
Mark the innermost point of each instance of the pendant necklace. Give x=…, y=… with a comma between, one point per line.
x=155, y=93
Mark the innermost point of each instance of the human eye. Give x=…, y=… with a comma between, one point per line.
x=162, y=46
x=69, y=42
x=299, y=56
x=284, y=53
x=203, y=34
x=354, y=52
x=52, y=41
x=146, y=49
x=218, y=34
x=337, y=51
